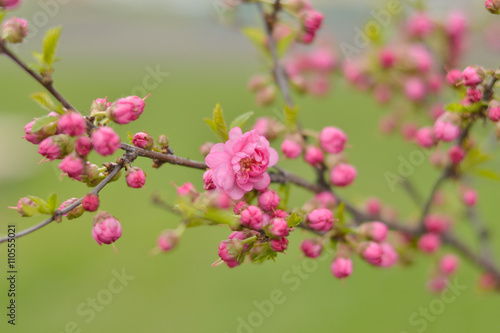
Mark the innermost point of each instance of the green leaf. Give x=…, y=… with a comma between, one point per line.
x=41, y=122
x=459, y=108
x=474, y=158
x=284, y=44
x=291, y=117
x=28, y=210
x=489, y=174
x=2, y=14
x=284, y=193
x=257, y=37
x=38, y=57
x=294, y=220
x=339, y=215
x=43, y=206
x=218, y=124
x=50, y=45
x=52, y=203
x=44, y=100
x=241, y=120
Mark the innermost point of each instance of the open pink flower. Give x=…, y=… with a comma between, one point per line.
x=239, y=165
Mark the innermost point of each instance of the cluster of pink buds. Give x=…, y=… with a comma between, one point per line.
x=310, y=19
x=447, y=266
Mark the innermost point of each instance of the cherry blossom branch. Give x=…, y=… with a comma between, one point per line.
x=127, y=158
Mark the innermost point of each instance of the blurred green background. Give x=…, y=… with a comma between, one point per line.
x=108, y=49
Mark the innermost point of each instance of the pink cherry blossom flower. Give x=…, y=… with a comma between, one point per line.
x=240, y=164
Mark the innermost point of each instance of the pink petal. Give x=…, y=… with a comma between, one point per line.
x=223, y=177
x=273, y=157
x=236, y=193
x=235, y=133
x=215, y=159
x=263, y=183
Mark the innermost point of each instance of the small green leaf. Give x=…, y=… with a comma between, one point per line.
x=218, y=124
x=257, y=37
x=28, y=210
x=284, y=44
x=294, y=220
x=41, y=122
x=2, y=14
x=489, y=174
x=52, y=203
x=283, y=193
x=456, y=107
x=291, y=117
x=474, y=158
x=241, y=120
x=44, y=100
x=43, y=206
x=38, y=57
x=339, y=215
x=50, y=45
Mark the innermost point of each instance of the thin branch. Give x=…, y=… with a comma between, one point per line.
x=412, y=192
x=59, y=213
x=278, y=71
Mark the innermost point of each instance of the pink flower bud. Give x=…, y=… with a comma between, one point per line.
x=72, y=166
x=270, y=128
x=493, y=6
x=50, y=149
x=487, y=281
x=312, y=20
x=239, y=207
x=448, y=264
x=278, y=227
x=493, y=111
x=125, y=110
x=280, y=214
x=472, y=76
x=420, y=57
x=456, y=25
x=75, y=212
x=26, y=211
x=437, y=223
x=208, y=181
x=387, y=124
x=266, y=95
x=307, y=37
x=415, y=89
x=320, y=219
x=257, y=82
x=72, y=123
x=83, y=146
x=342, y=175
x=205, y=148
x=136, y=178
x=314, y=155
x=469, y=197
x=453, y=77
x=291, y=149
x=168, y=240
x=409, y=130
x=10, y=4
x=382, y=93
x=373, y=206
x=376, y=231
x=429, y=243
x=228, y=252
x=372, y=252
x=252, y=218
x=445, y=131
x=456, y=154
x=389, y=255
x=425, y=137
x=90, y=202
x=437, y=284
x=386, y=58
x=325, y=200
x=107, y=229
x=474, y=95
x=268, y=200
x=419, y=25
x=341, y=267
x=143, y=140
x=38, y=136
x=311, y=248
x=279, y=245
x=14, y=30
x=323, y=59
x=332, y=140
x=163, y=141
x=99, y=105
x=105, y=141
